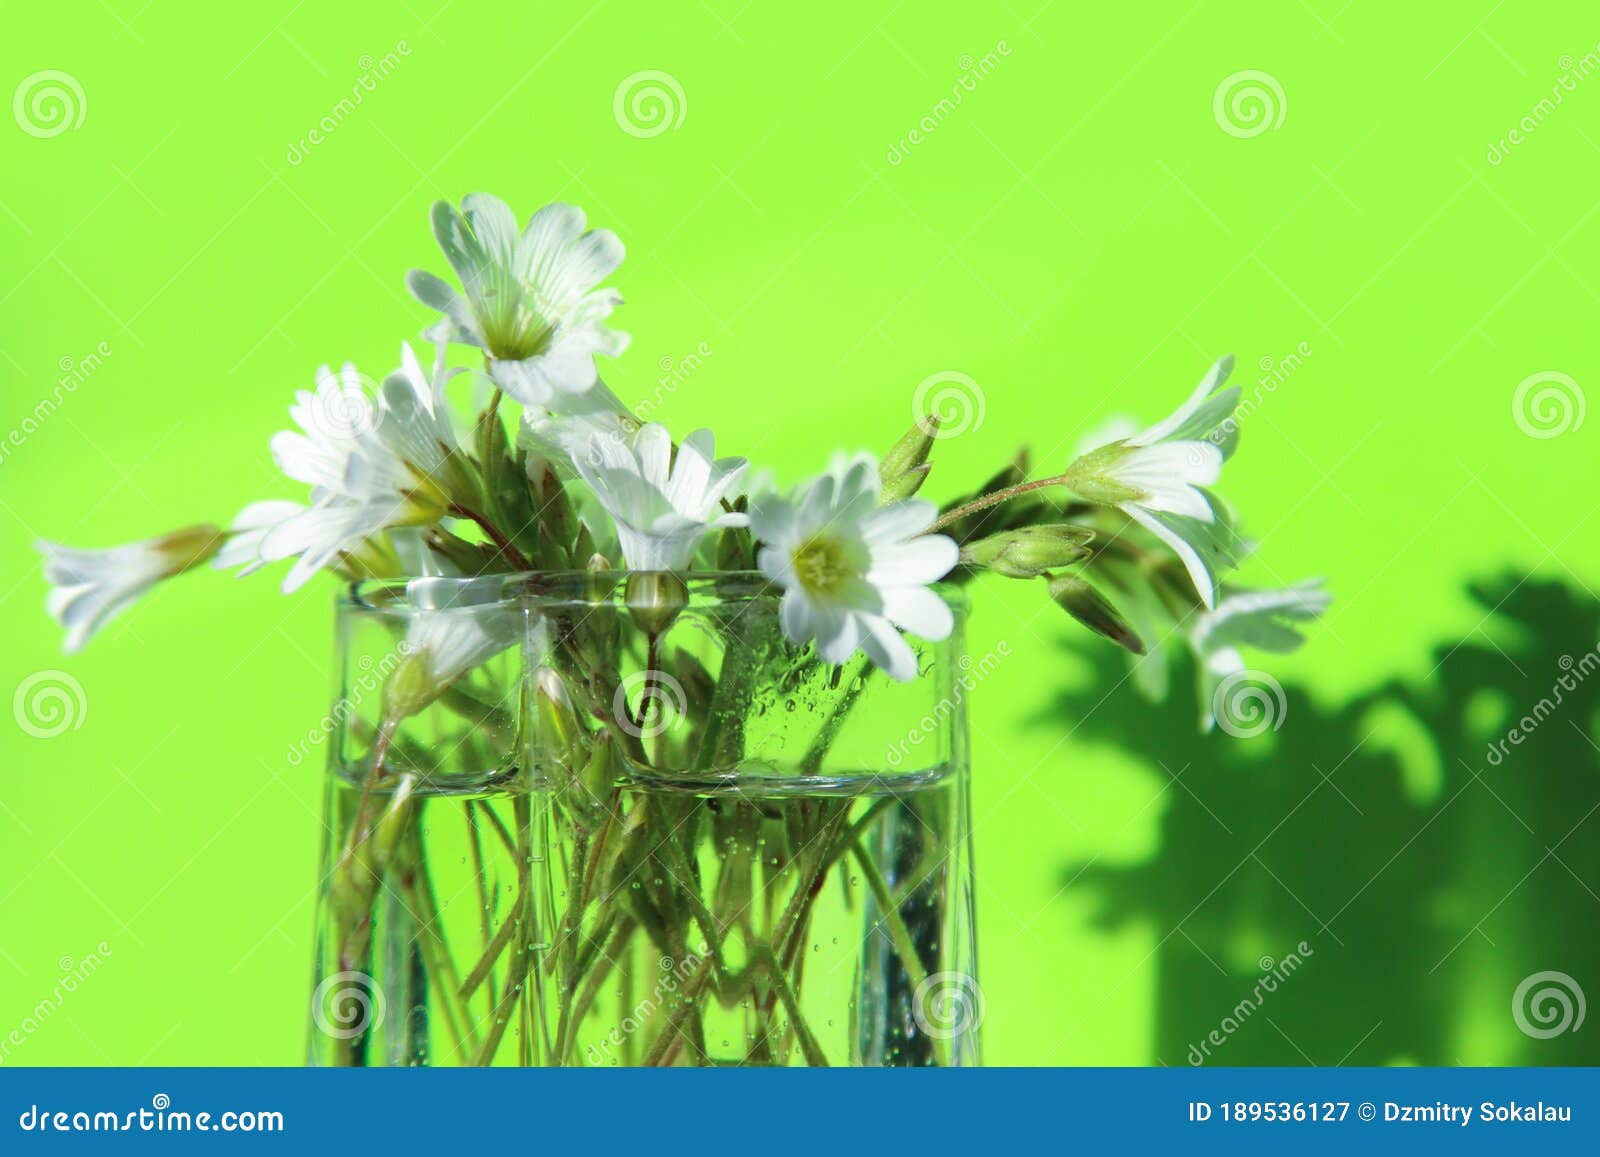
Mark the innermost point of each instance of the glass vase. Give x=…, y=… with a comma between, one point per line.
x=602, y=819
x=743, y=855
x=425, y=914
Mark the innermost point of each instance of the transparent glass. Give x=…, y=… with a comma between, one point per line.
x=425, y=913
x=745, y=856
x=604, y=819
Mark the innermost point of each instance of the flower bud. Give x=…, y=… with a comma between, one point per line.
x=655, y=599
x=1092, y=476
x=1029, y=551
x=559, y=521
x=1093, y=610
x=559, y=738
x=733, y=551
x=905, y=466
x=411, y=686
x=183, y=549
x=599, y=774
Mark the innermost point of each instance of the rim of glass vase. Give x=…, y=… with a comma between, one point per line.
x=569, y=587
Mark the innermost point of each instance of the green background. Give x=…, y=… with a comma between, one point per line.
x=1080, y=236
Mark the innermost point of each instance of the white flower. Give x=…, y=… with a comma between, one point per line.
x=1157, y=477
x=459, y=623
x=528, y=298
x=564, y=436
x=662, y=507
x=852, y=571
x=454, y=625
x=249, y=529
x=371, y=465
x=91, y=587
x=1265, y=620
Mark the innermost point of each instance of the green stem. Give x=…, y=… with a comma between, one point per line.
x=572, y=1015
x=797, y=1021
x=667, y=1042
x=994, y=498
x=899, y=934
x=508, y=551
x=516, y=985
x=480, y=875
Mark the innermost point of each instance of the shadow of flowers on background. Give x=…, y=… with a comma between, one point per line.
x=1400, y=879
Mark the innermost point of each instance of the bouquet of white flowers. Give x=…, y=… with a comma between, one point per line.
x=642, y=729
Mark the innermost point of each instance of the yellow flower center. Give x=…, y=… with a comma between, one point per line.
x=822, y=564
x=516, y=321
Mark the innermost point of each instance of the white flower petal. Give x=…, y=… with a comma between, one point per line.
x=903, y=519
x=249, y=527
x=868, y=568
x=888, y=650
x=1179, y=424
x=918, y=561
x=920, y=611
x=1205, y=584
